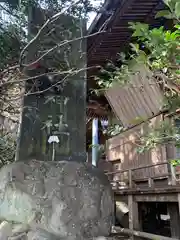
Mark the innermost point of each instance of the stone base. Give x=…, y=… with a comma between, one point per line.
x=57, y=200
x=34, y=236
x=40, y=236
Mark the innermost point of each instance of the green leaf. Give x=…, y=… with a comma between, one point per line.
x=163, y=13
x=174, y=35
x=135, y=47
x=177, y=9
x=177, y=26
x=177, y=72
x=175, y=162
x=131, y=25
x=171, y=4
x=140, y=150
x=139, y=29
x=167, y=2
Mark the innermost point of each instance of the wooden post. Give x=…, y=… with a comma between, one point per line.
x=130, y=178
x=133, y=215
x=130, y=203
x=170, y=152
x=173, y=175
x=179, y=203
x=150, y=182
x=174, y=219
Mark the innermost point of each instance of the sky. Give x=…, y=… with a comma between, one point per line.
x=91, y=18
x=92, y=15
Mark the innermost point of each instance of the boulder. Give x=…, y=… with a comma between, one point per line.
x=56, y=200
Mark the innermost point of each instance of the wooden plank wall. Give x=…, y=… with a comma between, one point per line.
x=121, y=150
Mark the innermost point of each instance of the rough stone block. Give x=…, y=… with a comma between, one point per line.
x=57, y=200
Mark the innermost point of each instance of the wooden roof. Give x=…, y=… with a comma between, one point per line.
x=138, y=101
x=116, y=16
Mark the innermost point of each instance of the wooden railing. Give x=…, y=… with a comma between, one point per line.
x=139, y=234
x=171, y=175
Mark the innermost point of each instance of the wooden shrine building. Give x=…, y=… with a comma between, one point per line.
x=146, y=183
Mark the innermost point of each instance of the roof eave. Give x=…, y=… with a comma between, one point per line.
x=98, y=16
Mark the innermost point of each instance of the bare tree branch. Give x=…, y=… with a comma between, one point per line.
x=50, y=20
x=69, y=73
x=55, y=73
x=62, y=45
x=167, y=82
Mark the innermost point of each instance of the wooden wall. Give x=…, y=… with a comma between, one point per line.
x=121, y=150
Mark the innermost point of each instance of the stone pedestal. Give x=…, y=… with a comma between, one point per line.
x=57, y=200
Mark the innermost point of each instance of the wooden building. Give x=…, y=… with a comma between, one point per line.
x=146, y=182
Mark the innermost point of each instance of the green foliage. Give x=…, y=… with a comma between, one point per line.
x=163, y=133
x=113, y=130
x=163, y=48
x=57, y=5
x=173, y=12
x=100, y=148
x=161, y=45
x=10, y=45
x=175, y=162
x=161, y=54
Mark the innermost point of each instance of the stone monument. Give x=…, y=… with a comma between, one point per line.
x=56, y=196
x=55, y=102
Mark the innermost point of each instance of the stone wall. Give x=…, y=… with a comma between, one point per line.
x=9, y=125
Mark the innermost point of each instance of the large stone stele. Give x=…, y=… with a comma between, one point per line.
x=56, y=200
